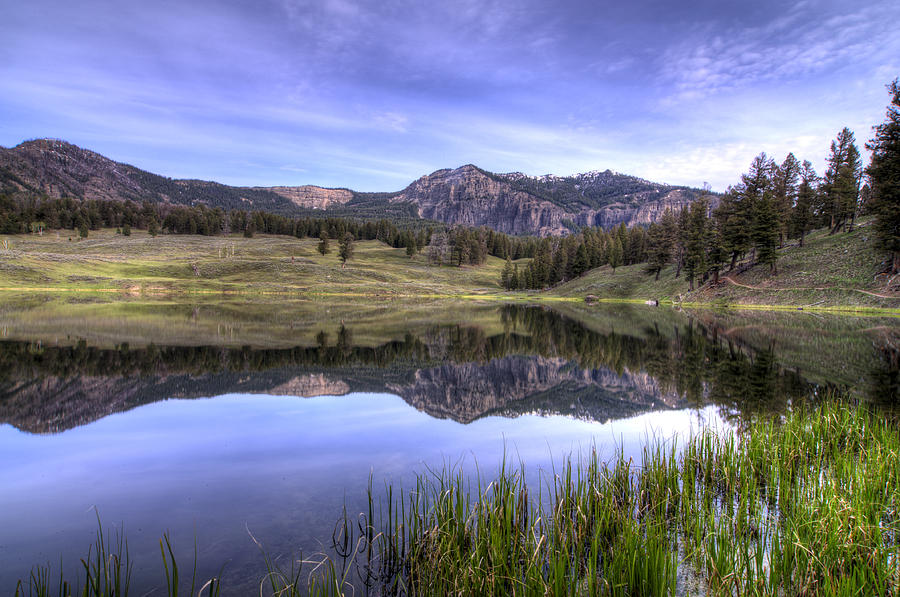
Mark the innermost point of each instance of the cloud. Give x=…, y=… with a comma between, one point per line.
x=797, y=44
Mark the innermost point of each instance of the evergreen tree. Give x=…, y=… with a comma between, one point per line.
x=842, y=178
x=615, y=253
x=681, y=235
x=581, y=263
x=884, y=179
x=738, y=207
x=661, y=243
x=695, y=247
x=506, y=274
x=345, y=248
x=785, y=183
x=153, y=226
x=324, y=246
x=766, y=229
x=802, y=216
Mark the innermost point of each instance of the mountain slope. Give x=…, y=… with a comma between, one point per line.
x=513, y=203
x=519, y=204
x=59, y=169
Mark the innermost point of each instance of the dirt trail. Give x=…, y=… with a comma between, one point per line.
x=870, y=293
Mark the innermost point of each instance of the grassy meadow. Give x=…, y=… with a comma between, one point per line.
x=829, y=271
x=142, y=264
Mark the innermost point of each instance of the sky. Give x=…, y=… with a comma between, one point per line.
x=371, y=95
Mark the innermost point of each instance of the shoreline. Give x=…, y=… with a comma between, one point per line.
x=137, y=291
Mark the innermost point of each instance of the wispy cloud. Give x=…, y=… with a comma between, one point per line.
x=794, y=45
x=372, y=94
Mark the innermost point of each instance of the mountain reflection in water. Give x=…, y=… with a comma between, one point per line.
x=537, y=361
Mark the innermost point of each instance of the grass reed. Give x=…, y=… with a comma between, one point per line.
x=803, y=505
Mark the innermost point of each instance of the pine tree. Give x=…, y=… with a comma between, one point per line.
x=884, y=179
x=842, y=178
x=659, y=250
x=581, y=263
x=738, y=207
x=345, y=248
x=695, y=247
x=615, y=253
x=506, y=274
x=802, y=215
x=785, y=183
x=323, y=247
x=766, y=230
x=681, y=234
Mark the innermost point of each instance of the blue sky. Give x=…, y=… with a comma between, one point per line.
x=373, y=94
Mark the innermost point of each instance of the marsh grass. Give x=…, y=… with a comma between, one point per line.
x=808, y=504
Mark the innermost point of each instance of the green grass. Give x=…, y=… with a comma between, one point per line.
x=141, y=264
x=807, y=505
x=828, y=271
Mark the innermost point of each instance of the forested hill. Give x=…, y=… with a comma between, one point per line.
x=512, y=203
x=49, y=167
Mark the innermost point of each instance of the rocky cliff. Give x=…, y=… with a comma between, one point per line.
x=470, y=197
x=513, y=203
x=313, y=197
x=545, y=205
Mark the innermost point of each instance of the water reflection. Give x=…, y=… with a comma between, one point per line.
x=537, y=361
x=538, y=383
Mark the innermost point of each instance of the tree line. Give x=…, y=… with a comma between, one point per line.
x=773, y=204
x=457, y=245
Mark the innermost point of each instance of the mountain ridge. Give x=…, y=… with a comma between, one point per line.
x=514, y=203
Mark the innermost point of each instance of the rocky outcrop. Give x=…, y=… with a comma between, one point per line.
x=636, y=211
x=313, y=197
x=546, y=205
x=468, y=196
x=513, y=203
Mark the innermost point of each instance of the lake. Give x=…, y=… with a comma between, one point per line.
x=217, y=420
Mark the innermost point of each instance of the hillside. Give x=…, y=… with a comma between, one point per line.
x=830, y=270
x=184, y=263
x=512, y=203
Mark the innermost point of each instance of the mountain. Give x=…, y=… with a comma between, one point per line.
x=59, y=169
x=519, y=204
x=513, y=203
x=509, y=387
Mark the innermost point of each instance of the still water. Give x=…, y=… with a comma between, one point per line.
x=215, y=422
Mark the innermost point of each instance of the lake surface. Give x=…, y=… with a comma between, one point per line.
x=213, y=421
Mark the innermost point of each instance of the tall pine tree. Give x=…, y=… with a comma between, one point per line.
x=884, y=179
x=842, y=178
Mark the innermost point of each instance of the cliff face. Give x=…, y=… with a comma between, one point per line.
x=547, y=205
x=512, y=203
x=313, y=197
x=640, y=210
x=469, y=197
